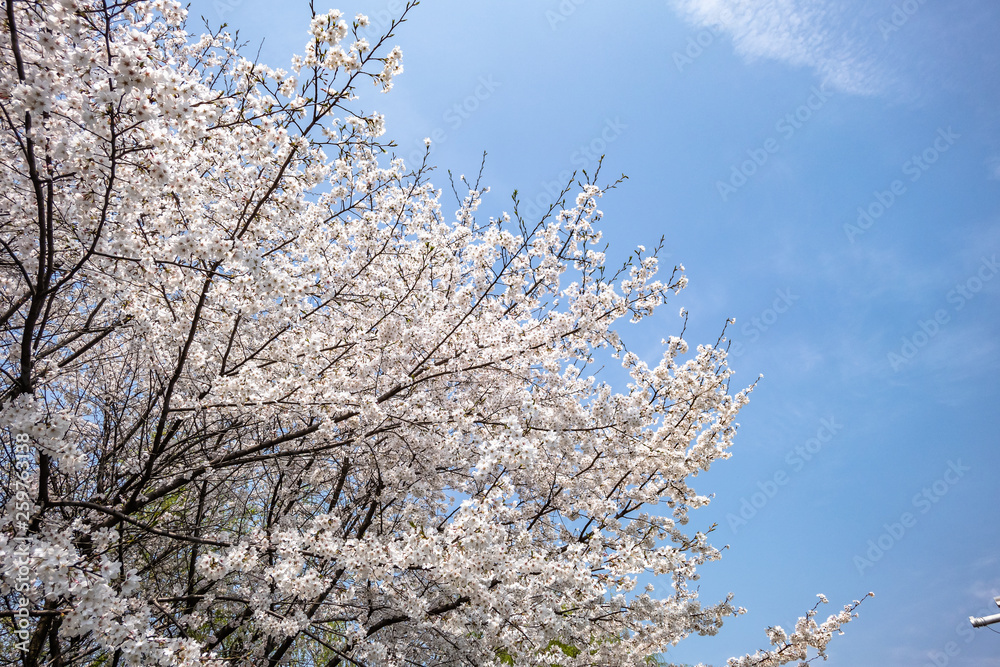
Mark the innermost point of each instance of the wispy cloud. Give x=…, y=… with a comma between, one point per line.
x=834, y=39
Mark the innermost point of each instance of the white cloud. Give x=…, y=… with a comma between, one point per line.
x=819, y=34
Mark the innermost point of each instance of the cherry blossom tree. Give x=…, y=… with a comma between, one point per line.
x=266, y=402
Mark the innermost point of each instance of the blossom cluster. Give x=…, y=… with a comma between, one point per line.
x=289, y=410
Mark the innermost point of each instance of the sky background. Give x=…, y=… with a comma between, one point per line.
x=829, y=174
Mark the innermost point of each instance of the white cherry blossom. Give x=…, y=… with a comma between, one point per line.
x=286, y=406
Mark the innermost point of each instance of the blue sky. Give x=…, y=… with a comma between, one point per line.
x=829, y=174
